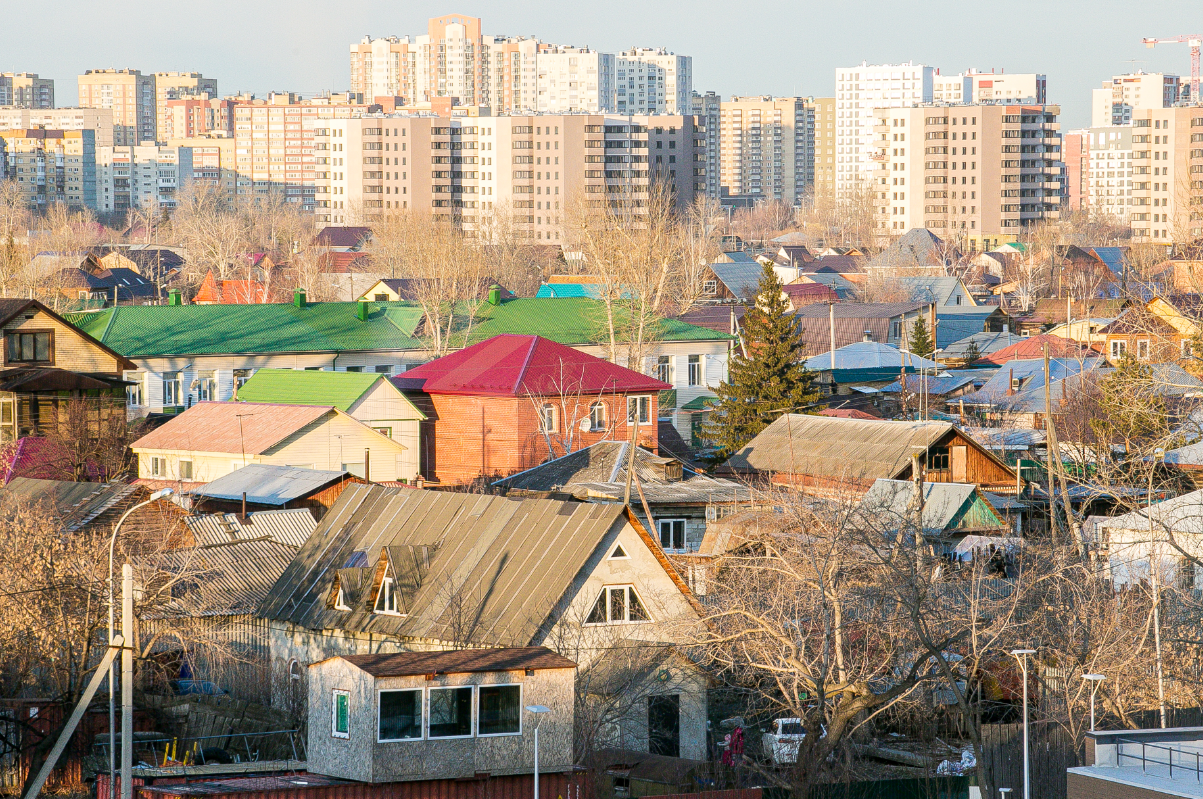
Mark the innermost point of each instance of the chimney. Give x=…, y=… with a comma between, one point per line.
x=298, y=298
x=494, y=294
x=868, y=336
x=362, y=312
x=1011, y=382
x=174, y=297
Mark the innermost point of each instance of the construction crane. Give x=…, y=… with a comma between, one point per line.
x=1194, y=40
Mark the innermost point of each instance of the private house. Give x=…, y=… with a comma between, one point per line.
x=1012, y=390
x=844, y=323
x=95, y=285
x=184, y=354
x=96, y=507
x=1169, y=532
x=842, y=283
x=865, y=363
x=1032, y=348
x=348, y=238
x=799, y=295
x=509, y=403
x=156, y=264
x=366, y=396
x=408, y=289
x=213, y=291
x=961, y=353
x=731, y=282
x=1163, y=329
x=933, y=390
x=820, y=454
x=1055, y=311
x=918, y=252
x=264, y=486
x=945, y=291
x=212, y=439
x=291, y=527
x=379, y=718
x=402, y=570
x=56, y=378
x=680, y=499
x=1092, y=272
x=958, y=521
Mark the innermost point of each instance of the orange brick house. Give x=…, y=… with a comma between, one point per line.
x=512, y=402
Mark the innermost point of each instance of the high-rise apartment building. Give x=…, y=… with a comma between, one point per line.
x=1114, y=103
x=529, y=167
x=147, y=176
x=652, y=81
x=213, y=164
x=573, y=79
x=974, y=174
x=51, y=166
x=1166, y=202
x=187, y=118
x=708, y=108
x=859, y=91
x=1109, y=173
x=825, y=146
x=26, y=90
x=97, y=120
x=1075, y=152
x=383, y=67
x=172, y=86
x=972, y=86
x=131, y=97
x=766, y=148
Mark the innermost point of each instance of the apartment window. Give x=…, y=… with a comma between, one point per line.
x=1118, y=349
x=597, y=416
x=30, y=347
x=340, y=716
x=672, y=533
x=695, y=370
x=618, y=605
x=206, y=386
x=547, y=418
x=639, y=408
x=172, y=389
x=134, y=395
x=450, y=712
x=400, y=716
x=499, y=710
x=185, y=470
x=664, y=368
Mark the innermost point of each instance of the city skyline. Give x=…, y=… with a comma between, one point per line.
x=734, y=53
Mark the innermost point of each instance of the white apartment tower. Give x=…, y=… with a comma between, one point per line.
x=653, y=81
x=858, y=92
x=1114, y=103
x=382, y=68
x=572, y=79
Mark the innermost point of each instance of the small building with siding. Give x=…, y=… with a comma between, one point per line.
x=440, y=715
x=265, y=486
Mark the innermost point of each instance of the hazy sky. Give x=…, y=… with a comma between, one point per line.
x=743, y=47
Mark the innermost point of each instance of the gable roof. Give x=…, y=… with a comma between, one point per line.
x=1033, y=347
x=942, y=384
x=986, y=342
x=314, y=387
x=1182, y=514
x=741, y=278
x=215, y=427
x=1029, y=373
x=930, y=288
x=345, y=236
x=837, y=264
x=945, y=505
x=562, y=289
x=512, y=560
x=870, y=355
x=127, y=282
x=10, y=308
x=268, y=484
x=233, y=578
x=460, y=661
x=514, y=366
x=78, y=504
x=916, y=247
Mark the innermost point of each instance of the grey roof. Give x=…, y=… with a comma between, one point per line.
x=837, y=283
x=741, y=279
x=869, y=355
x=228, y=580
x=924, y=288
x=459, y=661
x=887, y=505
x=1005, y=438
x=942, y=384
x=78, y=504
x=266, y=484
x=1030, y=374
x=1168, y=379
x=292, y=527
x=916, y=247
x=860, y=310
x=1182, y=514
x=856, y=449
x=986, y=343
x=955, y=322
x=512, y=560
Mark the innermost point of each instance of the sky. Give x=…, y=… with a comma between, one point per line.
x=745, y=47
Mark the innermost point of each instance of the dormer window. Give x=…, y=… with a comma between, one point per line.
x=386, y=597
x=341, y=602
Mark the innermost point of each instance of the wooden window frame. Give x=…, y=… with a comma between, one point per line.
x=26, y=331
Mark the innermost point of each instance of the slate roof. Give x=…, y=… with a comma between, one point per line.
x=140, y=331
x=1168, y=380
x=916, y=247
x=268, y=484
x=230, y=580
x=513, y=366
x=460, y=661
x=214, y=427
x=869, y=355
x=943, y=384
x=852, y=319
x=925, y=288
x=715, y=317
x=1029, y=373
x=837, y=264
x=313, y=387
x=129, y=284
x=741, y=279
x=846, y=413
x=292, y=527
x=78, y=504
x=514, y=559
x=836, y=282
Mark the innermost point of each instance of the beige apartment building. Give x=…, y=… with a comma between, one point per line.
x=468, y=168
x=767, y=148
x=51, y=166
x=173, y=86
x=1166, y=199
x=97, y=120
x=26, y=90
x=148, y=176
x=975, y=87
x=974, y=174
x=825, y=146
x=1115, y=102
x=193, y=116
x=383, y=67
x=131, y=97
x=213, y=163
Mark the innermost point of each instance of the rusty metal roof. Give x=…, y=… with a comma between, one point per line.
x=459, y=661
x=232, y=427
x=511, y=560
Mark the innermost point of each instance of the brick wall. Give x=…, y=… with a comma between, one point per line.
x=467, y=437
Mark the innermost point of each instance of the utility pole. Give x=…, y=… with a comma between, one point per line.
x=127, y=682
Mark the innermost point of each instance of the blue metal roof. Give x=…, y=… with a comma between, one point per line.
x=551, y=291
x=265, y=484
x=942, y=384
x=869, y=355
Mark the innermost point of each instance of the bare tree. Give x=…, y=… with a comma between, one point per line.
x=14, y=220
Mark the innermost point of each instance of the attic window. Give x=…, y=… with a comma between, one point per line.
x=386, y=597
x=341, y=602
x=618, y=553
x=618, y=605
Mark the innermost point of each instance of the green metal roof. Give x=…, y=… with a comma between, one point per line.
x=702, y=403
x=304, y=387
x=141, y=331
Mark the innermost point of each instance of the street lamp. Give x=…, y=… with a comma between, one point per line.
x=164, y=492
x=1095, y=679
x=538, y=710
x=1022, y=656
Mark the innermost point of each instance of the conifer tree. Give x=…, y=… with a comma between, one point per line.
x=920, y=343
x=766, y=377
x=972, y=353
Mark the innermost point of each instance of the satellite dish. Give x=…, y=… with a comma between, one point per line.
x=585, y=425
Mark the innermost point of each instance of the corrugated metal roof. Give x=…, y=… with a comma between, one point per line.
x=229, y=580
x=1029, y=374
x=509, y=365
x=888, y=504
x=870, y=355
x=1182, y=514
x=986, y=343
x=292, y=527
x=740, y=278
x=942, y=384
x=307, y=387
x=268, y=484
x=1033, y=347
x=511, y=560
x=937, y=289
x=561, y=290
x=232, y=427
x=460, y=661
x=77, y=504
x=861, y=310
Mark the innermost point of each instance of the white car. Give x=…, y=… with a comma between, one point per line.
x=781, y=746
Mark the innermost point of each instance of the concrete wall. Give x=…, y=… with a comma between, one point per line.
x=361, y=757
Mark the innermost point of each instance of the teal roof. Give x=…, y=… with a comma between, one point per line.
x=141, y=331
x=305, y=387
x=561, y=290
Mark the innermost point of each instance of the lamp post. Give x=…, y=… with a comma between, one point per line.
x=1154, y=563
x=164, y=492
x=538, y=710
x=1022, y=656
x=1095, y=679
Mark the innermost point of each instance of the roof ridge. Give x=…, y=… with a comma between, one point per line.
x=530, y=353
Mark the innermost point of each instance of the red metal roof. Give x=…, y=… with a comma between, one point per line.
x=511, y=366
x=214, y=427
x=1033, y=347
x=846, y=413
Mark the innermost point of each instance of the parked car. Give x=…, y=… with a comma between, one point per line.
x=780, y=747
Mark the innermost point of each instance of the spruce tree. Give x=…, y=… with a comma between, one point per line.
x=766, y=382
x=920, y=340
x=972, y=353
